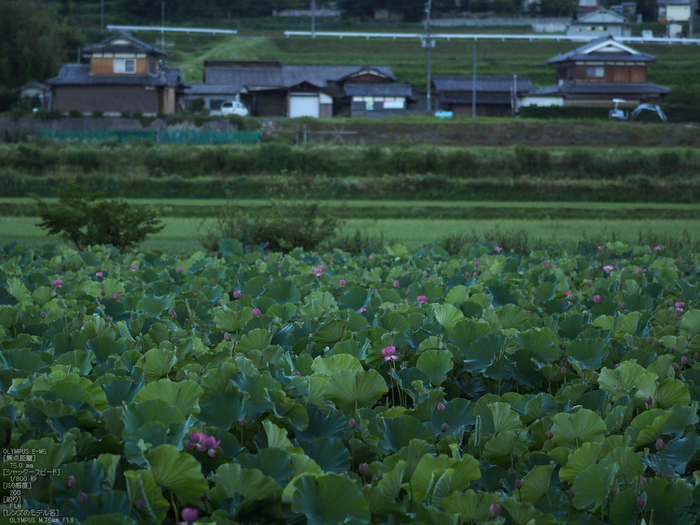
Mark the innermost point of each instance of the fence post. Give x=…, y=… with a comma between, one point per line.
x=157, y=136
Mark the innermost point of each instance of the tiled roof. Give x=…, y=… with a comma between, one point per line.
x=135, y=46
x=79, y=75
x=587, y=52
x=286, y=77
x=213, y=89
x=602, y=88
x=673, y=2
x=380, y=90
x=601, y=16
x=481, y=98
x=489, y=84
x=34, y=84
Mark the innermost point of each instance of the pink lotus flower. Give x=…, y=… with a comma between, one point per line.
x=189, y=514
x=343, y=282
x=237, y=294
x=498, y=249
x=179, y=270
x=601, y=248
x=396, y=283
x=242, y=422
x=422, y=299
x=70, y=482
x=657, y=249
x=363, y=309
x=371, y=257
x=256, y=312
x=116, y=296
x=476, y=274
x=362, y=469
x=441, y=407
x=352, y=423
x=227, y=336
x=82, y=497
x=390, y=353
x=638, y=271
x=608, y=268
x=597, y=298
x=134, y=267
x=195, y=439
x=172, y=313
x=567, y=293
x=58, y=283
x=318, y=272
x=494, y=510
x=444, y=427
x=99, y=274
x=477, y=264
x=680, y=304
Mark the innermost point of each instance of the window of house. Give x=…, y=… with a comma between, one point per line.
x=215, y=103
x=595, y=72
x=125, y=65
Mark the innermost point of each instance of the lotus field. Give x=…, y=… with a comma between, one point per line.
x=390, y=387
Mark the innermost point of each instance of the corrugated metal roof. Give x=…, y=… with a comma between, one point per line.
x=492, y=84
x=585, y=53
x=286, y=77
x=79, y=75
x=135, y=46
x=673, y=2
x=379, y=90
x=602, y=88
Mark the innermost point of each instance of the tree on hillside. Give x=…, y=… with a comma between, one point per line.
x=33, y=44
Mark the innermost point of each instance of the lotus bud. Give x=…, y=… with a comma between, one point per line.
x=444, y=427
x=237, y=294
x=571, y=494
x=494, y=510
x=82, y=497
x=696, y=356
x=441, y=407
x=242, y=422
x=660, y=445
x=362, y=469
x=256, y=312
x=649, y=400
x=549, y=434
x=554, y=376
x=352, y=423
x=684, y=360
x=650, y=340
x=644, y=481
x=397, y=283
x=623, y=305
x=640, y=502
x=189, y=514
x=143, y=359
x=227, y=336
x=675, y=366
x=671, y=349
x=564, y=370
x=297, y=373
x=70, y=482
x=43, y=315
x=518, y=484
x=139, y=504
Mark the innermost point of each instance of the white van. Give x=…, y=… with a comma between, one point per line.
x=234, y=108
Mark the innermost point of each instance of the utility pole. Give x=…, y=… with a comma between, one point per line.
x=690, y=23
x=102, y=16
x=162, y=25
x=313, y=18
x=515, y=94
x=474, y=86
x=428, y=44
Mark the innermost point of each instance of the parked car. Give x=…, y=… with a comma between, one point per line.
x=234, y=108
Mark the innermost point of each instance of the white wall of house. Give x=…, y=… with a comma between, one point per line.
x=542, y=102
x=677, y=13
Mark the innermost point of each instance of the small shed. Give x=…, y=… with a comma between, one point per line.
x=37, y=93
x=495, y=96
x=378, y=99
x=674, y=10
x=600, y=23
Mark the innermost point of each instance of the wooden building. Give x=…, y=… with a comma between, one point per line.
x=595, y=74
x=270, y=88
x=598, y=23
x=124, y=74
x=495, y=96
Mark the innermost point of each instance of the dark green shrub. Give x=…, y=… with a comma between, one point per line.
x=161, y=114
x=75, y=113
x=531, y=160
x=98, y=114
x=126, y=114
x=87, y=219
x=137, y=114
x=199, y=104
x=283, y=226
x=276, y=157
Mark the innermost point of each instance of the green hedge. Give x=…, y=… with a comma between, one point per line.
x=144, y=160
x=674, y=113
x=411, y=187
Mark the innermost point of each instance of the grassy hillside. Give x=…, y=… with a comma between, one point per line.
x=676, y=65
